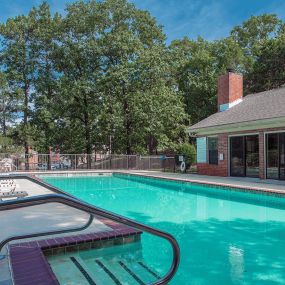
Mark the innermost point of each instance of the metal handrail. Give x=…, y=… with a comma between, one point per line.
x=80, y=205
x=48, y=233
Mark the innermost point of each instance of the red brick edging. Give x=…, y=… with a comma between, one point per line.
x=30, y=266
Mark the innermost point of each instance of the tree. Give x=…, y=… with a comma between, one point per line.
x=253, y=36
x=269, y=68
x=102, y=78
x=9, y=105
x=129, y=35
x=77, y=61
x=45, y=113
x=18, y=56
x=187, y=150
x=254, y=33
x=103, y=48
x=196, y=76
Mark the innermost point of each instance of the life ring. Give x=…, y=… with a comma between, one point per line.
x=183, y=166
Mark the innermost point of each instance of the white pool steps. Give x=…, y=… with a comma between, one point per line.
x=73, y=270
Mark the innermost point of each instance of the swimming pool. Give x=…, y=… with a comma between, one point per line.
x=225, y=237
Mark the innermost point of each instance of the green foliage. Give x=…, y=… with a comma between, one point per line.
x=253, y=37
x=268, y=71
x=9, y=104
x=102, y=72
x=7, y=145
x=187, y=150
x=197, y=66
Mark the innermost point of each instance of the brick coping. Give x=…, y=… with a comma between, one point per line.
x=241, y=188
x=29, y=264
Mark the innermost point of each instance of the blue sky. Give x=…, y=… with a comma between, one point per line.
x=211, y=19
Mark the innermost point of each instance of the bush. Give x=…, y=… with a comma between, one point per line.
x=187, y=150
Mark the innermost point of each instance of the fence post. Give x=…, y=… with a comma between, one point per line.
x=137, y=162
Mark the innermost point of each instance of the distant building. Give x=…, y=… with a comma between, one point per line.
x=246, y=137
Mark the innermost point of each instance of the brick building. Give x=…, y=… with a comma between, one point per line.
x=246, y=137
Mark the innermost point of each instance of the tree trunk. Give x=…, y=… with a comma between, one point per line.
x=127, y=124
x=4, y=131
x=26, y=111
x=152, y=144
x=4, y=126
x=88, y=144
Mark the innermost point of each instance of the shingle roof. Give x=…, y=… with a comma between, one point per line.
x=264, y=105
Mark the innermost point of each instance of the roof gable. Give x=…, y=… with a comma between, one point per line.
x=264, y=105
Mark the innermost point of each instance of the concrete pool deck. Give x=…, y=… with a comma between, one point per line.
x=277, y=186
x=39, y=218
x=47, y=217
x=274, y=186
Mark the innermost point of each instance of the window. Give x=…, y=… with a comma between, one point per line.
x=202, y=150
x=213, y=150
x=244, y=156
x=275, y=162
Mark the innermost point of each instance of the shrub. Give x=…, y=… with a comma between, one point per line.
x=187, y=150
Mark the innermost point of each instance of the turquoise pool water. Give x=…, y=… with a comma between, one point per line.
x=226, y=237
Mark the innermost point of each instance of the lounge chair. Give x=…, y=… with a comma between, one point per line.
x=8, y=190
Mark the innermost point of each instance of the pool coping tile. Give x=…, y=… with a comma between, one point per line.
x=30, y=266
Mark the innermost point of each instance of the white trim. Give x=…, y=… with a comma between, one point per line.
x=273, y=132
x=212, y=136
x=242, y=126
x=226, y=106
x=244, y=134
x=237, y=101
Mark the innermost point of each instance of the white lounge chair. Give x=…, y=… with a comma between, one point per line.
x=8, y=190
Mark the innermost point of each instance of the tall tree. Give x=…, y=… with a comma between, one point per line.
x=137, y=75
x=9, y=104
x=18, y=56
x=269, y=68
x=45, y=113
x=78, y=62
x=252, y=36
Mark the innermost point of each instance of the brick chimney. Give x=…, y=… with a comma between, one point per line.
x=230, y=90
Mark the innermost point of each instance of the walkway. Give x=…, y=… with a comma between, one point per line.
x=237, y=182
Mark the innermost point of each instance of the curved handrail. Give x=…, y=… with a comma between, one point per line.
x=48, y=233
x=80, y=205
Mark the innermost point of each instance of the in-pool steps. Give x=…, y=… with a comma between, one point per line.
x=69, y=273
x=74, y=270
x=121, y=271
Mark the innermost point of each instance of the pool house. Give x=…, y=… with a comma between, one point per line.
x=246, y=136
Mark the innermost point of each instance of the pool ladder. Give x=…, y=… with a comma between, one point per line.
x=73, y=202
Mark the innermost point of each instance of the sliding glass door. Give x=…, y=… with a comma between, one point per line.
x=237, y=156
x=252, y=156
x=244, y=156
x=275, y=156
